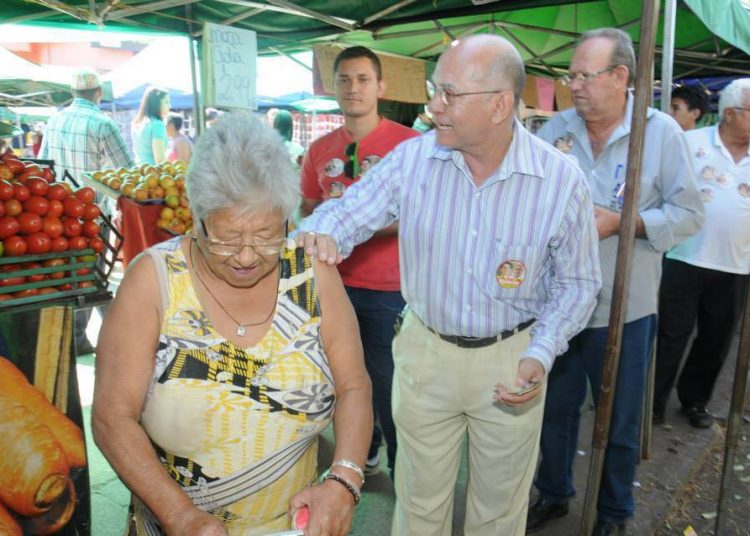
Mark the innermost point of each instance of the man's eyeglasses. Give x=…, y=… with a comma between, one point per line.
x=228, y=249
x=741, y=108
x=351, y=166
x=569, y=78
x=448, y=96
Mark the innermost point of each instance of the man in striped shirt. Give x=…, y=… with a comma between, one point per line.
x=496, y=232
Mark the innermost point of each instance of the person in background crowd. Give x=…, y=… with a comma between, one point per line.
x=705, y=277
x=596, y=132
x=180, y=147
x=423, y=122
x=284, y=124
x=226, y=353
x=148, y=130
x=271, y=115
x=81, y=139
x=497, y=235
x=371, y=274
x=688, y=105
x=211, y=116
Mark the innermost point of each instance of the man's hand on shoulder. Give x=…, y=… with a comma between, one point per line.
x=321, y=244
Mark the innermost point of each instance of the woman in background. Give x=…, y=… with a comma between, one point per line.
x=148, y=132
x=180, y=146
x=284, y=124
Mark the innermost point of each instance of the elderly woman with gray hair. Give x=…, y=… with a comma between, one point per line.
x=223, y=356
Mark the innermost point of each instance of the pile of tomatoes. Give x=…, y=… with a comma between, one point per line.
x=38, y=215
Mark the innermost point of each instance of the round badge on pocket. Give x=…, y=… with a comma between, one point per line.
x=510, y=274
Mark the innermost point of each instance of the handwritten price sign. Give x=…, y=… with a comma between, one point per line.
x=229, y=66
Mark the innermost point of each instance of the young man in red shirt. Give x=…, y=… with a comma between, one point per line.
x=371, y=273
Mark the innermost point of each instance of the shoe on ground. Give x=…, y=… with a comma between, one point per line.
x=372, y=465
x=658, y=418
x=542, y=512
x=608, y=528
x=698, y=416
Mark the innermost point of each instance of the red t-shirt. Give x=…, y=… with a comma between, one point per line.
x=374, y=264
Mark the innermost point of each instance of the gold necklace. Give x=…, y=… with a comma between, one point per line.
x=241, y=328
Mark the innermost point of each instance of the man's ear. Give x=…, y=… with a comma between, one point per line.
x=382, y=86
x=503, y=106
x=695, y=112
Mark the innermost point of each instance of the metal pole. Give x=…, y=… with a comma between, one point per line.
x=198, y=115
x=602, y=423
x=667, y=57
x=735, y=417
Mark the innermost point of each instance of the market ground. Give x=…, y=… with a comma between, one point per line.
x=676, y=488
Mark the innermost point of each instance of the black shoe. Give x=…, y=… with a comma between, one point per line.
x=608, y=528
x=658, y=418
x=698, y=416
x=542, y=512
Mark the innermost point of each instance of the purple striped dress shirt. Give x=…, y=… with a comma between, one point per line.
x=533, y=214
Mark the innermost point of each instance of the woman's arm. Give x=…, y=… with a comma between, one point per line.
x=184, y=149
x=330, y=503
x=159, y=147
x=124, y=363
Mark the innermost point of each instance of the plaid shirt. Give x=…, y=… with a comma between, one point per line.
x=82, y=139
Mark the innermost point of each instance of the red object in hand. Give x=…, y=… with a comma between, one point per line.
x=301, y=518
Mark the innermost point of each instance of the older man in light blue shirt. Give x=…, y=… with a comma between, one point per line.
x=596, y=135
x=496, y=231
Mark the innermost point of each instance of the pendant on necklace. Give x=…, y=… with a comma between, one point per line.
x=240, y=330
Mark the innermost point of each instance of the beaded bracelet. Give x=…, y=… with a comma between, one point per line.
x=348, y=485
x=350, y=465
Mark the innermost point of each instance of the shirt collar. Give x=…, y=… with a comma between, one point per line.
x=519, y=158
x=83, y=102
x=716, y=140
x=577, y=126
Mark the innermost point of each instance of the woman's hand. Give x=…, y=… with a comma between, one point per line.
x=331, y=509
x=196, y=523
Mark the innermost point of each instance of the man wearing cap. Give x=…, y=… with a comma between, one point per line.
x=81, y=139
x=371, y=274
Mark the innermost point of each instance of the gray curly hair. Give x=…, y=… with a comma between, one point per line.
x=241, y=162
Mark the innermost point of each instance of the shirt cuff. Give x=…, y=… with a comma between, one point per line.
x=657, y=229
x=543, y=351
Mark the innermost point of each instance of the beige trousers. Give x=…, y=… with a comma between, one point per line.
x=441, y=392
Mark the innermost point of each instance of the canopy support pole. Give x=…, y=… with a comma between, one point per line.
x=198, y=115
x=650, y=18
x=734, y=422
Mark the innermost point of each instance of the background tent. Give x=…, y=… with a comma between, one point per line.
x=179, y=100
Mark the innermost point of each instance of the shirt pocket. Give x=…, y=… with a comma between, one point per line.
x=514, y=271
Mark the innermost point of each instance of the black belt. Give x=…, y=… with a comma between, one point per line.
x=477, y=342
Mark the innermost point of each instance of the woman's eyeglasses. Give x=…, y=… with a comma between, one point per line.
x=228, y=249
x=351, y=166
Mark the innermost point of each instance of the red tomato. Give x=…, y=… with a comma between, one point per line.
x=55, y=208
x=85, y=284
x=10, y=281
x=31, y=266
x=73, y=207
x=52, y=226
x=10, y=268
x=26, y=293
x=97, y=244
x=37, y=186
x=57, y=191
x=15, y=165
x=8, y=227
x=83, y=271
x=13, y=207
x=91, y=212
x=65, y=286
x=4, y=297
x=21, y=192
x=90, y=229
x=36, y=204
x=78, y=242
x=59, y=244
x=15, y=246
x=48, y=175
x=48, y=290
x=2, y=210
x=28, y=223
x=85, y=194
x=71, y=227
x=39, y=243
x=33, y=168
x=55, y=262
x=6, y=190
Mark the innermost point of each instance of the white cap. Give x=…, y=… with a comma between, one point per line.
x=85, y=79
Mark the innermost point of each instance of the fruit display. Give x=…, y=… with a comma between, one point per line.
x=160, y=183
x=45, y=224
x=41, y=449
